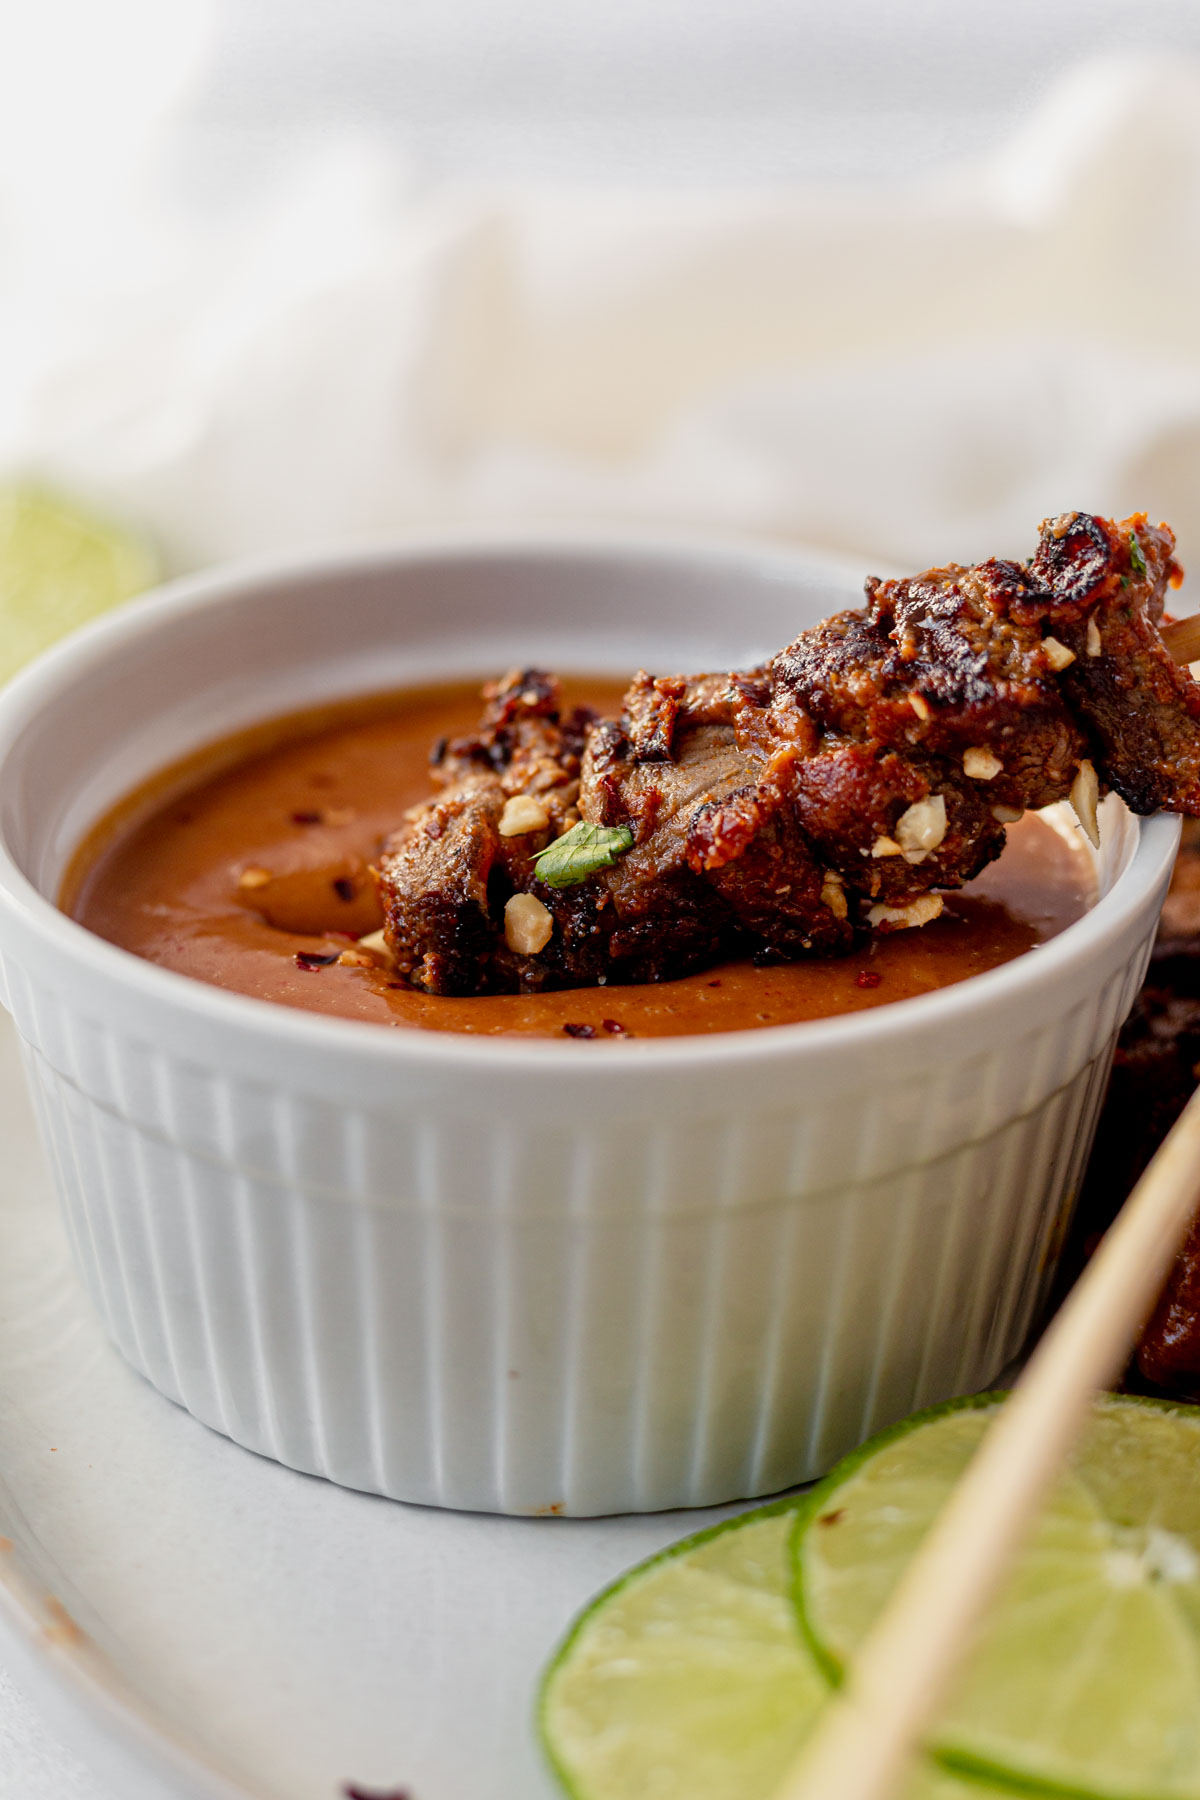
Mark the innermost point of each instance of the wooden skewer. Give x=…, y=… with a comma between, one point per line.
x=1182, y=639
x=863, y=1748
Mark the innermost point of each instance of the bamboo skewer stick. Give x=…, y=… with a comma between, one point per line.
x=1182, y=640
x=872, y=1727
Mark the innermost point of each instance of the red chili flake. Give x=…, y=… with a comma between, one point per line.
x=615, y=1027
x=868, y=978
x=583, y=1031
x=306, y=817
x=315, y=959
x=833, y=1518
x=344, y=888
x=714, y=984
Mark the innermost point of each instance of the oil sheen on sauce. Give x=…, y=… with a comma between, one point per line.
x=247, y=867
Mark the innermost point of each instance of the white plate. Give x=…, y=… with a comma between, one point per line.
x=202, y=1622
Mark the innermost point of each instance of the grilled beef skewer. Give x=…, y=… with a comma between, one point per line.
x=787, y=810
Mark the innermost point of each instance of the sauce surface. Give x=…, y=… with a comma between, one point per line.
x=230, y=867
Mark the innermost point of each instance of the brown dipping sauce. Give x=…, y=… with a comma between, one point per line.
x=254, y=853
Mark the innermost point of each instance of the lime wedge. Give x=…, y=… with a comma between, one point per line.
x=688, y=1679
x=1087, y=1678
x=60, y=565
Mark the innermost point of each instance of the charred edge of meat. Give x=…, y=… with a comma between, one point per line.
x=576, y=728
x=751, y=687
x=522, y=698
x=522, y=693
x=1074, y=556
x=722, y=830
x=650, y=712
x=522, y=721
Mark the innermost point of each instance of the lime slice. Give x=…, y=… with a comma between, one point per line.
x=1087, y=1678
x=688, y=1679
x=59, y=566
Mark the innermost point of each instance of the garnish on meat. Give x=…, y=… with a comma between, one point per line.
x=789, y=810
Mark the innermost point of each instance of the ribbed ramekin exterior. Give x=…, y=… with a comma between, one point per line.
x=472, y=1310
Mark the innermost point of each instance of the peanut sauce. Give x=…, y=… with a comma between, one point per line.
x=247, y=867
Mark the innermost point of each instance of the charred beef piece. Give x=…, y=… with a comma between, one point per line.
x=445, y=875
x=977, y=658
x=1140, y=710
x=671, y=770
x=854, y=798
x=717, y=861
x=790, y=808
x=940, y=664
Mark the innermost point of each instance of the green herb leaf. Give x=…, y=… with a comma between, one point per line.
x=1136, y=559
x=579, y=852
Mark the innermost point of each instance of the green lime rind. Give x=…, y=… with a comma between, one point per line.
x=818, y=1502
x=1086, y=1681
x=688, y=1680
x=60, y=565
x=590, y=1720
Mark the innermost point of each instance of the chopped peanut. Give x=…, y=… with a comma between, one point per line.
x=922, y=826
x=1093, y=638
x=833, y=895
x=919, y=705
x=528, y=925
x=885, y=846
x=921, y=911
x=521, y=814
x=1084, y=797
x=1057, y=654
x=980, y=765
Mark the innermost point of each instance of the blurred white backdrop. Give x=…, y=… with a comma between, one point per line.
x=682, y=91
x=893, y=279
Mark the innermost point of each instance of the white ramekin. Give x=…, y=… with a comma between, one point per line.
x=529, y=1276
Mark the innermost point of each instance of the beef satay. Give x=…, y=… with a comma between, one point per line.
x=791, y=809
